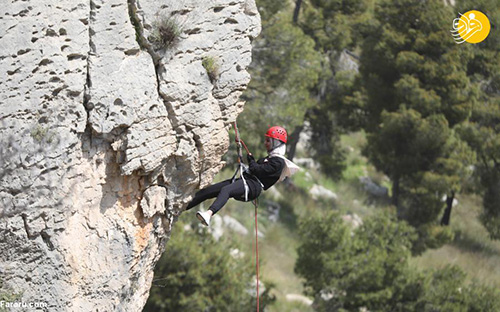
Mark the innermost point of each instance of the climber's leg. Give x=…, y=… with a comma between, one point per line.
x=232, y=190
x=209, y=192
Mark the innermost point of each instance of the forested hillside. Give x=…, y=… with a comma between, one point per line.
x=399, y=127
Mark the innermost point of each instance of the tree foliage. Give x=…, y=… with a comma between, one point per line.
x=332, y=23
x=285, y=67
x=197, y=273
x=482, y=130
x=333, y=26
x=365, y=268
x=348, y=270
x=416, y=92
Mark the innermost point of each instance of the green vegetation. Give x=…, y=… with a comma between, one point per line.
x=470, y=248
x=166, y=31
x=212, y=67
x=287, y=66
x=334, y=26
x=417, y=114
x=42, y=134
x=368, y=268
x=416, y=93
x=198, y=273
x=7, y=295
x=39, y=132
x=481, y=131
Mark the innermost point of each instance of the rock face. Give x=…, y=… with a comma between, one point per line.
x=105, y=137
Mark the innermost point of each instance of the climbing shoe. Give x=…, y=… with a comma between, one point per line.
x=204, y=217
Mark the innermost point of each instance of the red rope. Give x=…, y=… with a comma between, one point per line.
x=245, y=146
x=256, y=204
x=257, y=253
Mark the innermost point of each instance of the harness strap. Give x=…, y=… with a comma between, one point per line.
x=261, y=184
x=244, y=181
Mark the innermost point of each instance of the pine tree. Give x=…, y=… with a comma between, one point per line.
x=285, y=67
x=197, y=273
x=417, y=92
x=333, y=26
x=367, y=268
x=482, y=131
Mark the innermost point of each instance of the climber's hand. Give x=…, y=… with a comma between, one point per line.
x=250, y=157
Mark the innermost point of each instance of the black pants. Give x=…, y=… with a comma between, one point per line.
x=225, y=190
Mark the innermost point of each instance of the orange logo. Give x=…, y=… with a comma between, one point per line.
x=471, y=27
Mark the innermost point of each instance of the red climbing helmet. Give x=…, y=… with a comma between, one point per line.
x=277, y=132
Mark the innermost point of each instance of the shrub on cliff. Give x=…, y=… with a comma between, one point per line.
x=211, y=65
x=166, y=30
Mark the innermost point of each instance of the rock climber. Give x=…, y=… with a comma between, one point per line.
x=261, y=175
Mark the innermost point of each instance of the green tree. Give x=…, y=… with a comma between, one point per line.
x=366, y=267
x=447, y=290
x=331, y=23
x=405, y=61
x=483, y=135
x=482, y=131
x=334, y=27
x=197, y=273
x=347, y=270
x=405, y=144
x=325, y=142
x=417, y=91
x=425, y=159
x=285, y=67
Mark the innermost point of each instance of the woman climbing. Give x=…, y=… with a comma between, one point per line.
x=261, y=174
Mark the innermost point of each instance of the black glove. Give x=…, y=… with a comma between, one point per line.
x=250, y=158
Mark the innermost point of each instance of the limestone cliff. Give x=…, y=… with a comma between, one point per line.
x=105, y=136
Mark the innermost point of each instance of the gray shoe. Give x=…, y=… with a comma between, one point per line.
x=204, y=217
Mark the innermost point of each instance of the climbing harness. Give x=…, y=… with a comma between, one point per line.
x=242, y=168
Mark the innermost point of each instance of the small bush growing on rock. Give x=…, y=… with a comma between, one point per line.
x=7, y=295
x=166, y=31
x=42, y=134
x=212, y=67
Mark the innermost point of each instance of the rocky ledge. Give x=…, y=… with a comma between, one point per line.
x=106, y=131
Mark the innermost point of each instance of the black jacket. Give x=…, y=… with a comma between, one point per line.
x=267, y=170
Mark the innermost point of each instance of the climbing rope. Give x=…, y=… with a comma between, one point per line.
x=241, y=168
x=256, y=204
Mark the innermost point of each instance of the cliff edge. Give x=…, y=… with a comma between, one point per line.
x=105, y=135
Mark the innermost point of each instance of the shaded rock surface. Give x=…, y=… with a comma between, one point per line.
x=105, y=138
